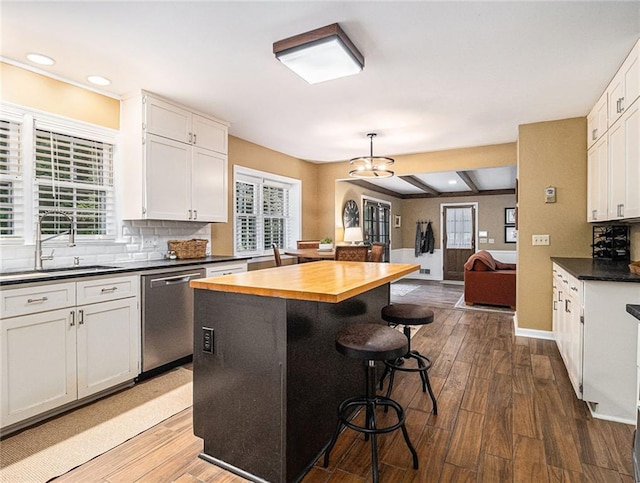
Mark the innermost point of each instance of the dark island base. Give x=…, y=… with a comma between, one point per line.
x=265, y=400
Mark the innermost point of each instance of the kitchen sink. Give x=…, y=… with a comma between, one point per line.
x=26, y=274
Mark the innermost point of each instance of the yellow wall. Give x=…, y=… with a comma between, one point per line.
x=549, y=154
x=431, y=162
x=250, y=155
x=347, y=191
x=36, y=91
x=490, y=218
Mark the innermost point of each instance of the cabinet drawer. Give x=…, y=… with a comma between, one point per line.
x=30, y=300
x=100, y=290
x=225, y=269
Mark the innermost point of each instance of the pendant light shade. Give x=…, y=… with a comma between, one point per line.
x=371, y=166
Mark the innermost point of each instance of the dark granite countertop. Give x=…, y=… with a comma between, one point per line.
x=600, y=270
x=634, y=310
x=28, y=276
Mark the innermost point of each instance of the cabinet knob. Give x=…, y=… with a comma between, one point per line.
x=195, y=214
x=594, y=134
x=73, y=319
x=81, y=317
x=195, y=138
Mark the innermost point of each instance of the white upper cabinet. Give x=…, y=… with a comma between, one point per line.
x=597, y=121
x=625, y=86
x=166, y=120
x=175, y=165
x=597, y=160
x=209, y=134
x=167, y=178
x=613, y=143
x=207, y=183
x=624, y=165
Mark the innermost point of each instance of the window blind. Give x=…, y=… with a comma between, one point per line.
x=74, y=175
x=11, y=183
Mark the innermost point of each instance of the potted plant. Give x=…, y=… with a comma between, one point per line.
x=326, y=244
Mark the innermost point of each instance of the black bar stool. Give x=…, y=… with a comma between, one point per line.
x=370, y=342
x=408, y=315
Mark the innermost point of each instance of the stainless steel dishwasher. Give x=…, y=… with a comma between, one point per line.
x=167, y=317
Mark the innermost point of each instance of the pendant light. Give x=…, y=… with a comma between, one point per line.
x=371, y=166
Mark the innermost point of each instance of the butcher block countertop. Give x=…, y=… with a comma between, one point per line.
x=324, y=281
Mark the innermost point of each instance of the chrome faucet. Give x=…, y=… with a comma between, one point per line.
x=72, y=237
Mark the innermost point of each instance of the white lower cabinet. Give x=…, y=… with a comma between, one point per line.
x=567, y=324
x=597, y=343
x=107, y=345
x=228, y=268
x=38, y=368
x=51, y=358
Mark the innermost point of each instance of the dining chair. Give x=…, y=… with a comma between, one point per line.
x=349, y=253
x=276, y=255
x=377, y=252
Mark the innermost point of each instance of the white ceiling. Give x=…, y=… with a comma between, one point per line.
x=438, y=75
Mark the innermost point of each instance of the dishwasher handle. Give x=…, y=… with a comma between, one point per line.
x=183, y=278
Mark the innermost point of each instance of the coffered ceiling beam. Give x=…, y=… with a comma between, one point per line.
x=374, y=187
x=455, y=194
x=467, y=180
x=419, y=184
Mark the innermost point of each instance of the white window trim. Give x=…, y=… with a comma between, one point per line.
x=33, y=118
x=295, y=203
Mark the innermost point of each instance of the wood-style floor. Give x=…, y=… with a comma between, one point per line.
x=506, y=412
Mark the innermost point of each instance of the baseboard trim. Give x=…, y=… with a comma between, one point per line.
x=532, y=333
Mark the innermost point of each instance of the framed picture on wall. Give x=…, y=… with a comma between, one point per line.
x=397, y=221
x=510, y=234
x=509, y=216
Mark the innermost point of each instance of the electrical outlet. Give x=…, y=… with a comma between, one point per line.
x=539, y=239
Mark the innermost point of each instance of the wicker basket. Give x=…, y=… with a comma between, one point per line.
x=189, y=248
x=635, y=268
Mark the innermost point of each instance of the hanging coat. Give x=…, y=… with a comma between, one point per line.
x=431, y=241
x=418, y=247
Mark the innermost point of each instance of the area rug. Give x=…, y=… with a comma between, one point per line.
x=63, y=443
x=402, y=289
x=486, y=308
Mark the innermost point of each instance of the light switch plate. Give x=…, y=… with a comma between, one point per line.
x=539, y=239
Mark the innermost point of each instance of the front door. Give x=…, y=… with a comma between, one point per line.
x=459, y=240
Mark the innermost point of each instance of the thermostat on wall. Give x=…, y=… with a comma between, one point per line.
x=550, y=194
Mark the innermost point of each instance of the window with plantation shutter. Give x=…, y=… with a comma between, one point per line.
x=11, y=183
x=246, y=217
x=74, y=175
x=267, y=211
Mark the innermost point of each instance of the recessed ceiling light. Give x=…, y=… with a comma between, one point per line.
x=40, y=59
x=98, y=80
x=453, y=181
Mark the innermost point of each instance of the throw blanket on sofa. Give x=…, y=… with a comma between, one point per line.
x=487, y=263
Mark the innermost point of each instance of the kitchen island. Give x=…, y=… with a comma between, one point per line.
x=267, y=377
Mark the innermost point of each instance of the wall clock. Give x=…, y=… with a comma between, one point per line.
x=351, y=216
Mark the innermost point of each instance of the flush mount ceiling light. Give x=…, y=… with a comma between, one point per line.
x=98, y=80
x=40, y=59
x=320, y=55
x=371, y=166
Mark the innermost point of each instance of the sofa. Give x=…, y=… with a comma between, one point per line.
x=488, y=281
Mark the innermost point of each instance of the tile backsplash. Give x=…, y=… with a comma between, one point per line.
x=141, y=240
